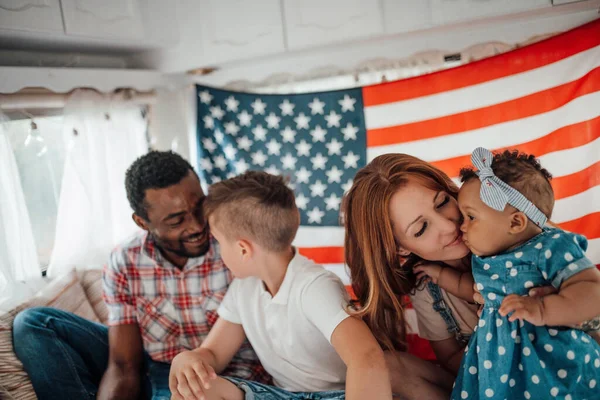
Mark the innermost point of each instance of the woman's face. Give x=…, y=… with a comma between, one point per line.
x=427, y=223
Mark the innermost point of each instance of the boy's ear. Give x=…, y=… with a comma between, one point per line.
x=246, y=249
x=518, y=222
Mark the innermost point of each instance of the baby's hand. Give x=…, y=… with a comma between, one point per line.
x=431, y=272
x=530, y=309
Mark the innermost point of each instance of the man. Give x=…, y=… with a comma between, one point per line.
x=162, y=289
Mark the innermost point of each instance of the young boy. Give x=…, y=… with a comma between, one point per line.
x=292, y=311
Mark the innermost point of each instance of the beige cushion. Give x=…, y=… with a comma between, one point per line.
x=65, y=293
x=91, y=280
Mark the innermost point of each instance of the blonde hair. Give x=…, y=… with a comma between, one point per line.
x=379, y=276
x=255, y=205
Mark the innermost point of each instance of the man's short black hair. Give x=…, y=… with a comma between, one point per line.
x=155, y=170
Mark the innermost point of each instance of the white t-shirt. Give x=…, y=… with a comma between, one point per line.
x=291, y=332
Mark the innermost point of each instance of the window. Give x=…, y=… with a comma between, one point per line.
x=39, y=151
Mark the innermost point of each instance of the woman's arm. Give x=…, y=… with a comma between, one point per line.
x=449, y=353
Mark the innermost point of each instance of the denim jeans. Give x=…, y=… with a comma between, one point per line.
x=65, y=356
x=258, y=391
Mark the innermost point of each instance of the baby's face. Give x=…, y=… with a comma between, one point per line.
x=485, y=230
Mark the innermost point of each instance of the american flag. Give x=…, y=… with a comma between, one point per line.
x=543, y=99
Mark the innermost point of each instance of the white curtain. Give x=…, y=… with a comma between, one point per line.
x=18, y=255
x=104, y=135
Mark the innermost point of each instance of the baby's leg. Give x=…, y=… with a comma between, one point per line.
x=415, y=378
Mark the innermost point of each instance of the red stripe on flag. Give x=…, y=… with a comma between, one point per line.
x=527, y=106
x=570, y=185
x=588, y=225
x=513, y=62
x=564, y=138
x=324, y=255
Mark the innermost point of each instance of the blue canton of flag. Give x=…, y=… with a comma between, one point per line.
x=316, y=140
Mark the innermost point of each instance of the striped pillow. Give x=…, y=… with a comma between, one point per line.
x=65, y=293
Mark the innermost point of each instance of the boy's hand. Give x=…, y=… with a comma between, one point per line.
x=530, y=309
x=430, y=272
x=189, y=376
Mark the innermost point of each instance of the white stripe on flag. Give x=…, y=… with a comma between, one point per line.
x=504, y=134
x=577, y=206
x=593, y=251
x=319, y=236
x=484, y=94
x=579, y=158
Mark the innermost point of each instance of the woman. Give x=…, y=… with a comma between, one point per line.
x=400, y=212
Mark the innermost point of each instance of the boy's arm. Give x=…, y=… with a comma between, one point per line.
x=367, y=376
x=459, y=283
x=191, y=371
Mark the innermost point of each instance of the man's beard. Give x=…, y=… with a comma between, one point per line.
x=181, y=250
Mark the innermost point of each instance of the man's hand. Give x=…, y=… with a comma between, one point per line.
x=428, y=272
x=189, y=377
x=530, y=309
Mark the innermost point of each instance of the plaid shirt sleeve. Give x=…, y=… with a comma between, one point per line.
x=116, y=293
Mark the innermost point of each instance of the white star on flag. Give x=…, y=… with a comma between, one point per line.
x=232, y=104
x=241, y=166
x=351, y=160
x=347, y=103
x=319, y=161
x=209, y=122
x=347, y=186
x=220, y=162
x=303, y=175
x=230, y=152
x=288, y=134
x=273, y=121
x=318, y=134
x=272, y=170
x=259, y=158
x=288, y=161
x=302, y=121
x=303, y=148
x=209, y=144
x=316, y=106
x=231, y=128
x=317, y=189
x=258, y=106
x=334, y=175
x=244, y=143
x=206, y=165
x=219, y=136
x=260, y=133
x=287, y=108
x=350, y=132
x=301, y=201
x=245, y=118
x=217, y=112
x=205, y=97
x=315, y=215
x=333, y=202
x=334, y=147
x=274, y=147
x=333, y=119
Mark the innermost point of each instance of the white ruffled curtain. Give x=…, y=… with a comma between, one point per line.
x=104, y=135
x=18, y=255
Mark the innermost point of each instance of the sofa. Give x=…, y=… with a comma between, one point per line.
x=79, y=292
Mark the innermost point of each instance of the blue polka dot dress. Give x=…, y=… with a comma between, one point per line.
x=518, y=360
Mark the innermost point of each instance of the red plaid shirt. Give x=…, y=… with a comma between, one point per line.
x=175, y=308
